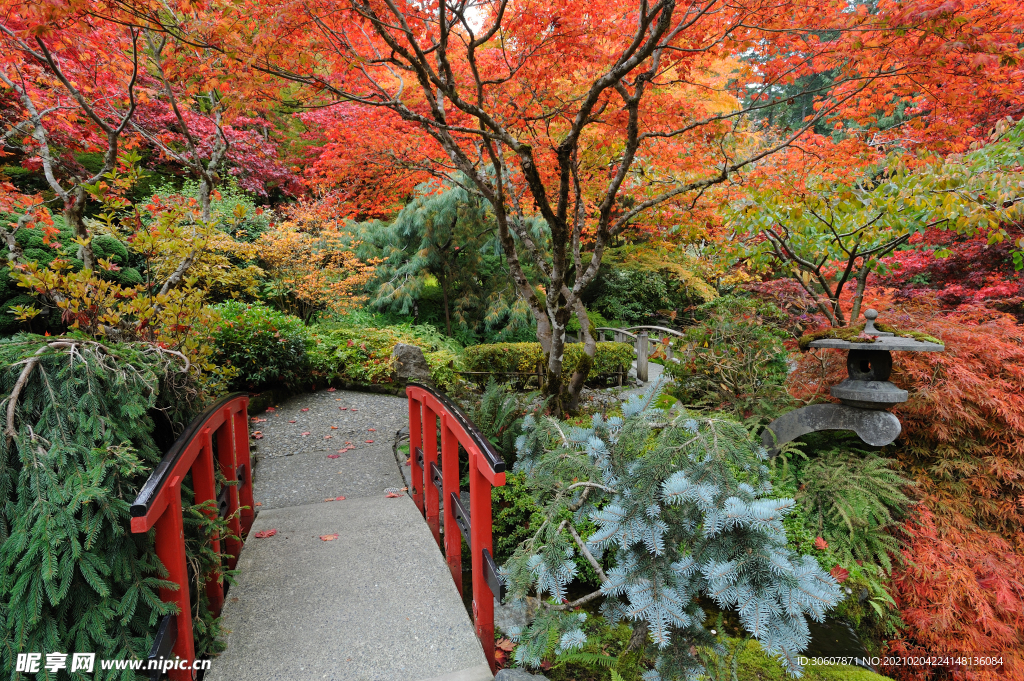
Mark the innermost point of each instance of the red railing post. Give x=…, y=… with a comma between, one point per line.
x=430, y=457
x=226, y=461
x=240, y=426
x=486, y=470
x=170, y=549
x=450, y=476
x=205, y=484
x=480, y=531
x=415, y=442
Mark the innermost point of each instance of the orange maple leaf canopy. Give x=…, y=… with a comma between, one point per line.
x=532, y=75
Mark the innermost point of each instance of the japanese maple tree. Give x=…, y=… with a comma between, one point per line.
x=595, y=120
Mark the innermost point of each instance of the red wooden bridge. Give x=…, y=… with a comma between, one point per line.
x=383, y=599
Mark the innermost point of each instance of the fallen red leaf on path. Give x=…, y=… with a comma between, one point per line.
x=257, y=419
x=334, y=427
x=304, y=409
x=332, y=456
x=354, y=409
x=339, y=498
x=329, y=537
x=292, y=421
x=257, y=435
x=343, y=408
x=372, y=430
x=392, y=495
x=328, y=437
x=305, y=434
x=263, y=534
x=271, y=409
x=331, y=390
x=369, y=442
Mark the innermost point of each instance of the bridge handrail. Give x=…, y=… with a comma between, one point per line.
x=642, y=349
x=622, y=331
x=159, y=505
x=671, y=332
x=432, y=483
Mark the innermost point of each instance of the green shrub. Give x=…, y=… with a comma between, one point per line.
x=732, y=361
x=498, y=412
x=265, y=345
x=630, y=294
x=854, y=498
x=596, y=320
x=611, y=358
x=363, y=355
x=87, y=435
x=34, y=248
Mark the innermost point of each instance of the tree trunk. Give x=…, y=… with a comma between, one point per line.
x=553, y=386
x=447, y=314
x=74, y=216
x=858, y=295
x=205, y=190
x=586, y=362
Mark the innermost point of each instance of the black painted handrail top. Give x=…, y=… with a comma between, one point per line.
x=494, y=460
x=159, y=477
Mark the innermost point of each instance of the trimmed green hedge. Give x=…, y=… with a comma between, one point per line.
x=611, y=358
x=364, y=355
x=266, y=346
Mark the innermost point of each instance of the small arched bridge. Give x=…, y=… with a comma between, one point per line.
x=346, y=571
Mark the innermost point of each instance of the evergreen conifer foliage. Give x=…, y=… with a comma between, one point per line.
x=73, y=578
x=685, y=504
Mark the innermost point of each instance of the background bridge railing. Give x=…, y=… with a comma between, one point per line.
x=645, y=339
x=219, y=436
x=429, y=412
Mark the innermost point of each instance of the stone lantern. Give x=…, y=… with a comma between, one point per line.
x=866, y=395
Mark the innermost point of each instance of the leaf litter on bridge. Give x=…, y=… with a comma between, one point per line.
x=295, y=462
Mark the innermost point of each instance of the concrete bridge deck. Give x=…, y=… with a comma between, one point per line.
x=375, y=603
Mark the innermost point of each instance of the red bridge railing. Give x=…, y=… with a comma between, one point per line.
x=428, y=411
x=222, y=427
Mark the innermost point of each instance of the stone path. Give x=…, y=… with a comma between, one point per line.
x=375, y=603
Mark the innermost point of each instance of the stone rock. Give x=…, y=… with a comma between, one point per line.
x=506, y=616
x=516, y=675
x=410, y=364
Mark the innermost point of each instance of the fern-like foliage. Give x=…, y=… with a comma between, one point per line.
x=73, y=578
x=498, y=413
x=855, y=497
x=686, y=506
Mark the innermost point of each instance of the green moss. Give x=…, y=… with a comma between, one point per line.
x=852, y=335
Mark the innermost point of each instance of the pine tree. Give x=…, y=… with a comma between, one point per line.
x=73, y=578
x=685, y=505
x=446, y=233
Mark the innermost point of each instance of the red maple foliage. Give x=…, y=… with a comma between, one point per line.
x=961, y=591
x=961, y=588
x=972, y=271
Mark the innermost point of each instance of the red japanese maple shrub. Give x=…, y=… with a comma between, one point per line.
x=962, y=587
